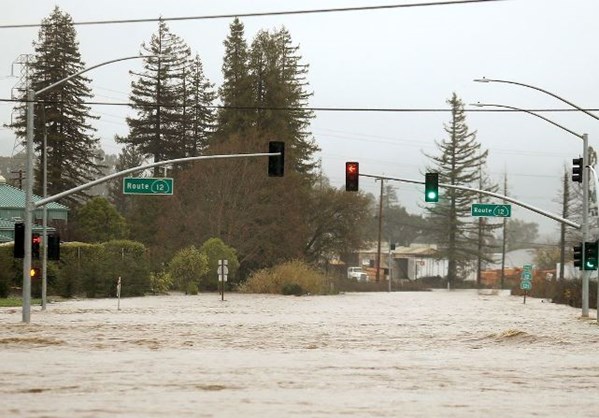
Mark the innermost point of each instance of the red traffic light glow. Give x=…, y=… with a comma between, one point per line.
x=352, y=173
x=351, y=168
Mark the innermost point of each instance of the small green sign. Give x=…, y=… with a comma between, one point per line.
x=526, y=285
x=526, y=276
x=490, y=210
x=148, y=185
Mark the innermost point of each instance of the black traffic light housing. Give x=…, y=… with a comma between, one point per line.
x=431, y=187
x=19, y=247
x=276, y=163
x=36, y=241
x=577, y=255
x=53, y=247
x=352, y=176
x=591, y=260
x=577, y=169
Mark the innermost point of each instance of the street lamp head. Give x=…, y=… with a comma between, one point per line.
x=477, y=104
x=482, y=80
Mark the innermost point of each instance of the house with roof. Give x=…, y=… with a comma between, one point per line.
x=12, y=210
x=407, y=263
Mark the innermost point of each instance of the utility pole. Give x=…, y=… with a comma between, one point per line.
x=378, y=251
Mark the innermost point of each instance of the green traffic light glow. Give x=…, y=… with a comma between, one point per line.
x=431, y=195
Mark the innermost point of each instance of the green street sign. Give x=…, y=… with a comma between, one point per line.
x=526, y=285
x=526, y=276
x=148, y=185
x=527, y=267
x=490, y=210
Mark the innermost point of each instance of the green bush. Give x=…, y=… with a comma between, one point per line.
x=160, y=282
x=188, y=266
x=192, y=288
x=292, y=277
x=215, y=249
x=292, y=289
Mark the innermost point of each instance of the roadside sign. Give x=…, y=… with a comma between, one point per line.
x=148, y=185
x=525, y=285
x=490, y=210
x=223, y=272
x=526, y=276
x=527, y=267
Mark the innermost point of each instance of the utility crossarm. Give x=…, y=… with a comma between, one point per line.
x=49, y=199
x=497, y=195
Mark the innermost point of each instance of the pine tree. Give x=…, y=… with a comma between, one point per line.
x=198, y=116
x=459, y=163
x=279, y=88
x=485, y=240
x=155, y=95
x=72, y=149
x=236, y=114
x=128, y=158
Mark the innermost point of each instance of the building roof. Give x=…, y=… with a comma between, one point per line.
x=13, y=198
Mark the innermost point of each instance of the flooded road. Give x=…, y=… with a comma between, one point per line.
x=409, y=354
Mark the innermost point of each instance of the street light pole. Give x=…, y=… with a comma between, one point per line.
x=28, y=209
x=585, y=176
x=29, y=204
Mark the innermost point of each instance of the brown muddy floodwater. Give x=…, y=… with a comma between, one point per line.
x=420, y=354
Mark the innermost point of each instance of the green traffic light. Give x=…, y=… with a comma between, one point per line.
x=431, y=187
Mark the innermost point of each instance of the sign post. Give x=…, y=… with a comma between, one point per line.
x=526, y=279
x=223, y=272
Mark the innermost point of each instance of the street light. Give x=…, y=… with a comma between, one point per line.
x=496, y=80
x=585, y=181
x=29, y=206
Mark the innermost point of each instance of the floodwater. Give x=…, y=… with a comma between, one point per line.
x=408, y=354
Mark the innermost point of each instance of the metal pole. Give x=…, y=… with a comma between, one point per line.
x=585, y=223
x=592, y=170
x=45, y=216
x=389, y=265
x=28, y=210
x=378, y=251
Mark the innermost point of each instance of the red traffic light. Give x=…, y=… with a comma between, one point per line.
x=352, y=175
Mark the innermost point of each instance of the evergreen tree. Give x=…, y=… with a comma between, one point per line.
x=279, y=89
x=72, y=148
x=235, y=115
x=128, y=158
x=459, y=164
x=485, y=240
x=156, y=97
x=198, y=116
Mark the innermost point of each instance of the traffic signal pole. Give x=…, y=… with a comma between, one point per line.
x=30, y=206
x=585, y=222
x=485, y=192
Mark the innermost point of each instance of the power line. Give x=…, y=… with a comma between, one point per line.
x=262, y=14
x=329, y=108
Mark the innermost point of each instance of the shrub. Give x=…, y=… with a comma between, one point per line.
x=292, y=289
x=292, y=278
x=192, y=288
x=188, y=266
x=160, y=282
x=215, y=249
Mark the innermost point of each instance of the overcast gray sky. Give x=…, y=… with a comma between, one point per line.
x=396, y=58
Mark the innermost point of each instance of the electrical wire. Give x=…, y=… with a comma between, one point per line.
x=262, y=14
x=332, y=108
